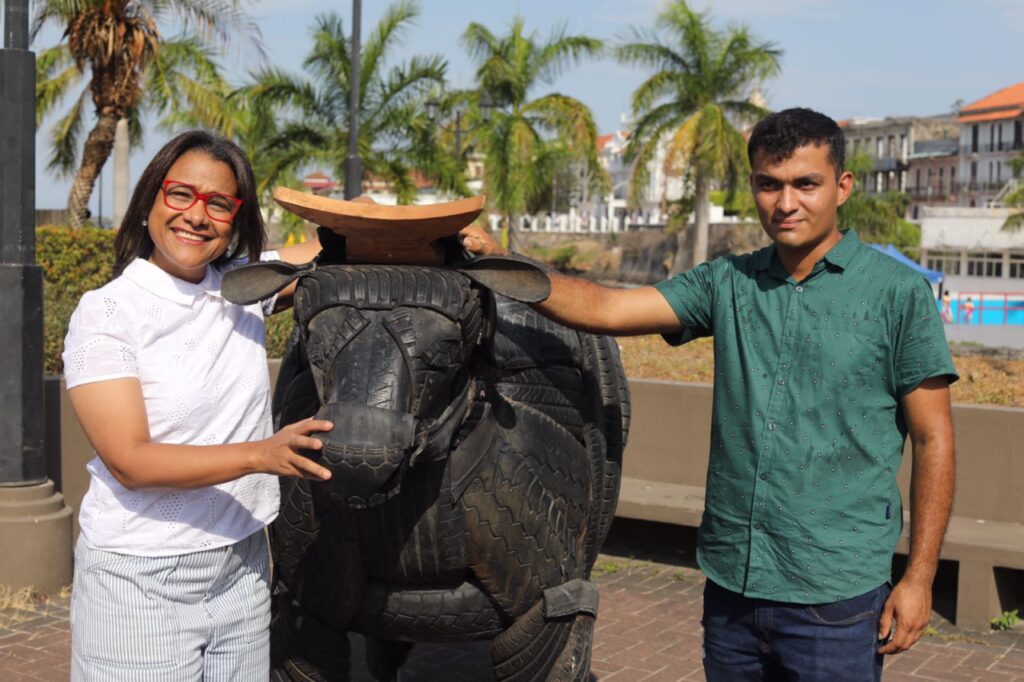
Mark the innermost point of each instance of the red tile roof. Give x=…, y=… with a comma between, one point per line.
x=1002, y=104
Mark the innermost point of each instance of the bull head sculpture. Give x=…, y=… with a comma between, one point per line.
x=475, y=452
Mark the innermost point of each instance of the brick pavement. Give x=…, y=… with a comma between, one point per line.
x=648, y=629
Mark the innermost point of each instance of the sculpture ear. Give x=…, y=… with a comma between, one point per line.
x=513, y=276
x=258, y=281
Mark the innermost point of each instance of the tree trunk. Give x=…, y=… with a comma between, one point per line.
x=97, y=148
x=685, y=259
x=121, y=183
x=508, y=240
x=702, y=217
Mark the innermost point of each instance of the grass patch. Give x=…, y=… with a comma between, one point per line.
x=18, y=606
x=983, y=380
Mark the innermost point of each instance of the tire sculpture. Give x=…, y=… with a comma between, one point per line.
x=476, y=457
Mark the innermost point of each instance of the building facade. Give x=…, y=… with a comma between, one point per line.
x=971, y=248
x=991, y=134
x=890, y=143
x=931, y=174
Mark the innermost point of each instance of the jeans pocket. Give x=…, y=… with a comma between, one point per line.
x=848, y=611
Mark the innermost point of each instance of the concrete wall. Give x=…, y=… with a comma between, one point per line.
x=669, y=442
x=670, y=434
x=978, y=229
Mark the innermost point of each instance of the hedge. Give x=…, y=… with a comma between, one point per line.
x=75, y=262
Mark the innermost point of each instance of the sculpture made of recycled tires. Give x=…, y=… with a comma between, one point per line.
x=476, y=456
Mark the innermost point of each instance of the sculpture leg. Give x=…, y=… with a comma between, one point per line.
x=552, y=640
x=305, y=650
x=384, y=657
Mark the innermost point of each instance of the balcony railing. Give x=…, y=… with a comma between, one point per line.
x=990, y=148
x=982, y=186
x=933, y=193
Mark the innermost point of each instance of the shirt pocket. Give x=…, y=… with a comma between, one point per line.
x=843, y=357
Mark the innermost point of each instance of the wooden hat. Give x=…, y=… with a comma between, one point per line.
x=377, y=233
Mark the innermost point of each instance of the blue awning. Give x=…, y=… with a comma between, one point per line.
x=934, y=276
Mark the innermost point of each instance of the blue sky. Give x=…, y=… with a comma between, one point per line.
x=843, y=57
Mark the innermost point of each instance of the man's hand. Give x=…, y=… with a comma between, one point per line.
x=478, y=241
x=910, y=606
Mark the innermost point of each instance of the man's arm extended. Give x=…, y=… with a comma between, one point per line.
x=930, y=424
x=600, y=309
x=589, y=306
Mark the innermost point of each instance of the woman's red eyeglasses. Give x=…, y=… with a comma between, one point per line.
x=181, y=196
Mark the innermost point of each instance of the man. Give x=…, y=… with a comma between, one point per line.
x=827, y=354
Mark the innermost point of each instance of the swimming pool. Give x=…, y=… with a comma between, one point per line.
x=990, y=309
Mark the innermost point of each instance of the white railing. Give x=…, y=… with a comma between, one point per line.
x=568, y=223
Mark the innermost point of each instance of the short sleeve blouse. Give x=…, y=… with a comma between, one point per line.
x=202, y=366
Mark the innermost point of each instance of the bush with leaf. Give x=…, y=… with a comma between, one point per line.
x=73, y=262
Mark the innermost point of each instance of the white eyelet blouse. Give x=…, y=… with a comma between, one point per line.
x=202, y=365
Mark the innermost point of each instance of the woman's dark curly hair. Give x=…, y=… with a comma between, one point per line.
x=248, y=232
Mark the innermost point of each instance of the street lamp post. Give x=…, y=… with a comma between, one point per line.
x=35, y=526
x=353, y=164
x=486, y=106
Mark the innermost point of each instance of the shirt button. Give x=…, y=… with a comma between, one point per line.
x=764, y=477
x=782, y=382
x=799, y=290
x=771, y=425
x=758, y=526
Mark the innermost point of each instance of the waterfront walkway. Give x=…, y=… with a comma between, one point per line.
x=648, y=629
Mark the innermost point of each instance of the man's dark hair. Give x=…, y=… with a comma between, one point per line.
x=249, y=234
x=778, y=135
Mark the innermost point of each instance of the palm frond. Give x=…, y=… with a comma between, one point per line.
x=64, y=139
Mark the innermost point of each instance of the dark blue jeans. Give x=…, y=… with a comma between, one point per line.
x=749, y=639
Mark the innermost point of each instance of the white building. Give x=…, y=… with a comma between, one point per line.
x=970, y=247
x=991, y=133
x=890, y=143
x=663, y=185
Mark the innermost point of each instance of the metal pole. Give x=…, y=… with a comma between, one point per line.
x=458, y=135
x=34, y=521
x=353, y=164
x=16, y=25
x=21, y=306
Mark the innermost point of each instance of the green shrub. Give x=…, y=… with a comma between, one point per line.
x=73, y=263
x=279, y=330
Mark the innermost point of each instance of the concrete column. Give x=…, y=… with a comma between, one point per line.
x=121, y=191
x=35, y=526
x=977, y=595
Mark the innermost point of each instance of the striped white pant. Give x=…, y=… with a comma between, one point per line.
x=200, y=616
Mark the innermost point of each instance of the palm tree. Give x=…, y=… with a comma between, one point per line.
x=699, y=93
x=396, y=136
x=523, y=139
x=116, y=44
x=1015, y=196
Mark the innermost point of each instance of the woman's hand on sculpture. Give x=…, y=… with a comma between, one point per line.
x=281, y=454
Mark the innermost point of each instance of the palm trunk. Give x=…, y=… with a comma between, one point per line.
x=684, y=259
x=98, y=146
x=702, y=217
x=508, y=234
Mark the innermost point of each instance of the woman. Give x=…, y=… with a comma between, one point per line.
x=170, y=383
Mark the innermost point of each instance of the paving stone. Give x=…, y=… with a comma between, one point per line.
x=648, y=629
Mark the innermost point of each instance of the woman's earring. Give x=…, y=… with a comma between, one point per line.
x=145, y=223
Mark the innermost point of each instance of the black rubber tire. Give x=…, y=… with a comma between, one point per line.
x=528, y=650
x=462, y=613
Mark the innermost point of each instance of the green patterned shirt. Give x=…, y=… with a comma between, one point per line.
x=807, y=428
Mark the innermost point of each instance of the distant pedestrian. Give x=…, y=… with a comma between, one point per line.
x=947, y=308
x=968, y=310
